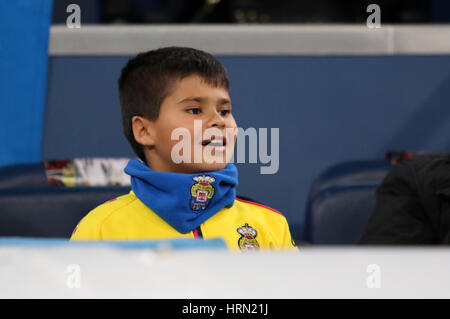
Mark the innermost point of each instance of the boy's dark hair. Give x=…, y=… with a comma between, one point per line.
x=148, y=78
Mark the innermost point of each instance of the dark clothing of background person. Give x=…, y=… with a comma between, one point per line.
x=412, y=204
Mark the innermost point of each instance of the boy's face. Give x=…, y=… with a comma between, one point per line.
x=205, y=112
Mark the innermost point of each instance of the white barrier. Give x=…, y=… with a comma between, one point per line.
x=105, y=272
x=253, y=39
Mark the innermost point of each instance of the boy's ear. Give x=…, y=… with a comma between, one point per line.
x=143, y=131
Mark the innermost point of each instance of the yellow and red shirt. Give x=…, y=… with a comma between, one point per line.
x=245, y=226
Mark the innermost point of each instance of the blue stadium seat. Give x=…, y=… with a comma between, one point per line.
x=50, y=212
x=351, y=172
x=341, y=200
x=30, y=207
x=338, y=214
x=23, y=176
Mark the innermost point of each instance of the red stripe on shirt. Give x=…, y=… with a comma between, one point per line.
x=195, y=232
x=257, y=204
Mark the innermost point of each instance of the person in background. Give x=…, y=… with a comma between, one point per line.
x=412, y=204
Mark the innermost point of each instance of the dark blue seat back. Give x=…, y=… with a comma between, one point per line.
x=351, y=172
x=23, y=176
x=49, y=211
x=339, y=214
x=341, y=199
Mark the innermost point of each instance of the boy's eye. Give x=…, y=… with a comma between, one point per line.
x=224, y=112
x=195, y=110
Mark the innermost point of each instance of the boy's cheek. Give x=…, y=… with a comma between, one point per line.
x=232, y=135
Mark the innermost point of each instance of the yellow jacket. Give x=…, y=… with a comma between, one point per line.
x=245, y=226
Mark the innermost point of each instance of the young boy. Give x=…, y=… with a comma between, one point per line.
x=162, y=93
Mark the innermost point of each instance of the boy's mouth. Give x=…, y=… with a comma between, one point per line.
x=215, y=141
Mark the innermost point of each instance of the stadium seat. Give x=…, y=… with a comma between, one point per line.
x=341, y=200
x=23, y=176
x=31, y=207
x=351, y=172
x=51, y=212
x=338, y=214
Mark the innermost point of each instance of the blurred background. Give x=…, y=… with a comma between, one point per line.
x=253, y=11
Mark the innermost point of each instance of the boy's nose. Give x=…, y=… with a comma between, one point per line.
x=216, y=120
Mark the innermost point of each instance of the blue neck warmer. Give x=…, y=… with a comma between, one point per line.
x=184, y=201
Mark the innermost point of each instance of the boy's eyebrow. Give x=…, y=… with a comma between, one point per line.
x=221, y=101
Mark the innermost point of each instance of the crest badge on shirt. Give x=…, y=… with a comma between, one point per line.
x=247, y=241
x=202, y=192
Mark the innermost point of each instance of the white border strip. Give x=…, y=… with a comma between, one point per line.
x=29, y=271
x=252, y=39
